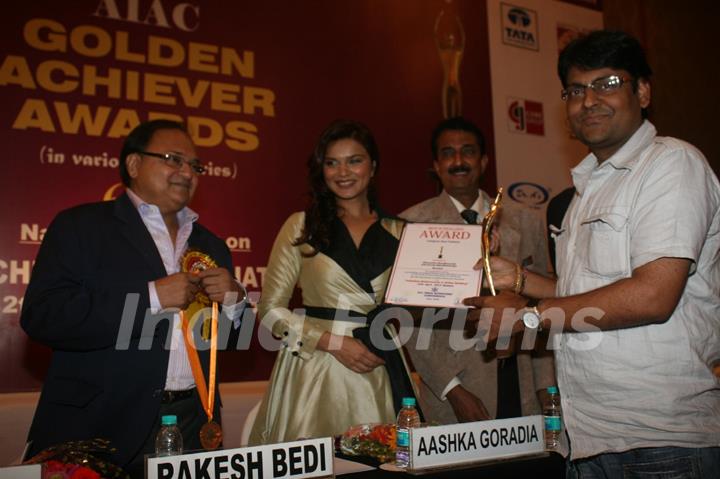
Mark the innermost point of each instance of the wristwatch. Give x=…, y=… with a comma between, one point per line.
x=530, y=316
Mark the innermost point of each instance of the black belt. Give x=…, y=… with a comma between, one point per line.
x=172, y=396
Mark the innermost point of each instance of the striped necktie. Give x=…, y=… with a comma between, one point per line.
x=470, y=216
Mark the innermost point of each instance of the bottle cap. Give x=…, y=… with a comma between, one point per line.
x=169, y=420
x=552, y=390
x=408, y=402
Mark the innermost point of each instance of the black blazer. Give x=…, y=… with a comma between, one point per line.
x=91, y=271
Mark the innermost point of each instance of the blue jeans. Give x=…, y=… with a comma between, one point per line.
x=649, y=463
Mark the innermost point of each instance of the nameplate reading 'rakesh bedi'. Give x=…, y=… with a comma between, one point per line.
x=299, y=459
x=434, y=266
x=439, y=446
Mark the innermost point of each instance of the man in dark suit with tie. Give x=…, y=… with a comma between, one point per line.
x=104, y=295
x=460, y=386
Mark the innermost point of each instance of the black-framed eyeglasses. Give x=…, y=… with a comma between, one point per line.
x=177, y=161
x=601, y=86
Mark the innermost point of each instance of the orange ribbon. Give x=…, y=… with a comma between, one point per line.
x=205, y=391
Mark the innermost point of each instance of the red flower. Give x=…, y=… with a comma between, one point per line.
x=84, y=473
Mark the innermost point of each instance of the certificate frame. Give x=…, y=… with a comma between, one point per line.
x=434, y=266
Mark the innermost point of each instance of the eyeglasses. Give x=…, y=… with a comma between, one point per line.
x=601, y=86
x=177, y=161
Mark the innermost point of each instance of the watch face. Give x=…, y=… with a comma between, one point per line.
x=531, y=319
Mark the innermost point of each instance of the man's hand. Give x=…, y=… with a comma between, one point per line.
x=497, y=315
x=217, y=282
x=466, y=405
x=495, y=239
x=504, y=272
x=351, y=353
x=177, y=290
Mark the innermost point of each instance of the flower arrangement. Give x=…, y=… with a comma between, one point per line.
x=373, y=440
x=78, y=460
x=61, y=470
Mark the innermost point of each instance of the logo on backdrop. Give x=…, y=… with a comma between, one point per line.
x=113, y=192
x=525, y=116
x=519, y=27
x=529, y=194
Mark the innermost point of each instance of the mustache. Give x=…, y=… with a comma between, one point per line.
x=459, y=169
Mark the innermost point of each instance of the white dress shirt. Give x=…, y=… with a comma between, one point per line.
x=179, y=373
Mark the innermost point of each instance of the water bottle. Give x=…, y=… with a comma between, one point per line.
x=552, y=413
x=408, y=417
x=168, y=441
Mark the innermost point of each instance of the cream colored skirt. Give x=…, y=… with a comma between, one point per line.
x=320, y=397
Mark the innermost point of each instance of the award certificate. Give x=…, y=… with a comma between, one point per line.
x=434, y=265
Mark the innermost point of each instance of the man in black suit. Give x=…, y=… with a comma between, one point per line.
x=104, y=295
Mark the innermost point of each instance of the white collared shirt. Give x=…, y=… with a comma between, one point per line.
x=179, y=373
x=652, y=385
x=480, y=205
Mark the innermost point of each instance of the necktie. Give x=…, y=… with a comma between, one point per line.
x=470, y=216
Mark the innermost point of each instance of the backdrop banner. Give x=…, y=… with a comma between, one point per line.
x=256, y=82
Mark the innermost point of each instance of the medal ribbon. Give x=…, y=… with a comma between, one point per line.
x=193, y=262
x=205, y=391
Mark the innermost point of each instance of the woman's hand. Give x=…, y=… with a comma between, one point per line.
x=351, y=353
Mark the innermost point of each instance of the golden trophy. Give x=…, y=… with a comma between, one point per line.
x=487, y=225
x=450, y=43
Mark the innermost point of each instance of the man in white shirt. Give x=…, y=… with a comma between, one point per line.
x=637, y=298
x=469, y=385
x=105, y=294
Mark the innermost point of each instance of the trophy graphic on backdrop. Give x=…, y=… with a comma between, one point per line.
x=450, y=42
x=487, y=225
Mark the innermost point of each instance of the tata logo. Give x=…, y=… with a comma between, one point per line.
x=519, y=17
x=519, y=27
x=529, y=194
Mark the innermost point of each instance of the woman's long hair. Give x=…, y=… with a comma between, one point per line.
x=322, y=210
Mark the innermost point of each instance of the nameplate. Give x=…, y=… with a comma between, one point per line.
x=439, y=446
x=33, y=471
x=298, y=459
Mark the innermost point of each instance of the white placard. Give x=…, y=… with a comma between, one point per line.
x=434, y=265
x=438, y=446
x=298, y=459
x=33, y=471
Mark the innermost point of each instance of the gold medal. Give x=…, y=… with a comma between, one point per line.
x=211, y=435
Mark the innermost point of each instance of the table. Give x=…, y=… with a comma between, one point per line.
x=549, y=467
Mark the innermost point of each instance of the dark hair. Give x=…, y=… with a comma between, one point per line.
x=604, y=49
x=322, y=210
x=456, y=123
x=139, y=138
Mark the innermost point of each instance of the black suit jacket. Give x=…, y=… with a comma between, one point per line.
x=93, y=267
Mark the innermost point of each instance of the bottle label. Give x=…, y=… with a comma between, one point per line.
x=553, y=423
x=403, y=438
